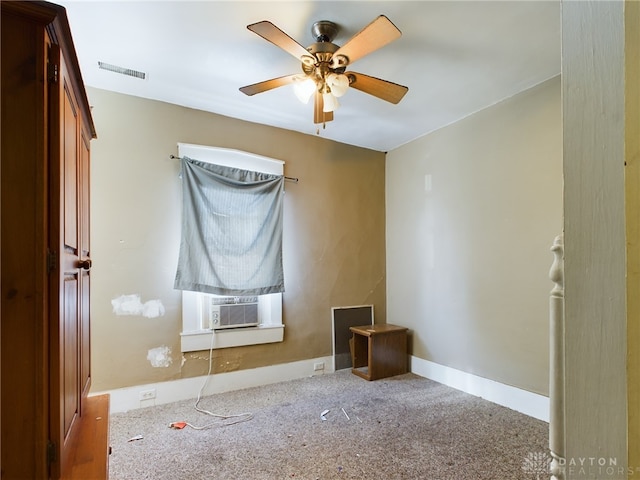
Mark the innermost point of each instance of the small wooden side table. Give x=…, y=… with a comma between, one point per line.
x=379, y=351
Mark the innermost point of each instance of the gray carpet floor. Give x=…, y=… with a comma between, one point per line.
x=404, y=427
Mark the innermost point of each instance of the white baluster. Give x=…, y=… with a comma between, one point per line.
x=556, y=377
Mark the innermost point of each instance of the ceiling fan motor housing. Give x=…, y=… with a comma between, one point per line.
x=323, y=49
x=324, y=31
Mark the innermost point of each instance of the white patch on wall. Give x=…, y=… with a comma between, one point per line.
x=153, y=309
x=160, y=356
x=132, y=305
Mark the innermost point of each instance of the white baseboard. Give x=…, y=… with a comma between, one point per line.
x=129, y=398
x=529, y=403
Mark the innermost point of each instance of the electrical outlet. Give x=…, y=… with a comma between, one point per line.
x=318, y=366
x=148, y=394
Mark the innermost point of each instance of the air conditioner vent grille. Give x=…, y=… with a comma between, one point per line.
x=232, y=300
x=234, y=315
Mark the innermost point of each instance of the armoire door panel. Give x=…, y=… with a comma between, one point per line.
x=85, y=274
x=85, y=334
x=70, y=152
x=68, y=360
x=70, y=392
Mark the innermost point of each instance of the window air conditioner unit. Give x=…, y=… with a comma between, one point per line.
x=233, y=312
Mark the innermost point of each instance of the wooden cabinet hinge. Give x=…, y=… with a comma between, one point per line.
x=52, y=69
x=52, y=456
x=52, y=261
x=52, y=72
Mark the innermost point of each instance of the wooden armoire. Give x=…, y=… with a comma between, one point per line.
x=45, y=326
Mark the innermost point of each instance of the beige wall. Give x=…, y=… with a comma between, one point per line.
x=468, y=261
x=334, y=239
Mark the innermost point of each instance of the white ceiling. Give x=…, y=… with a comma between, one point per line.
x=456, y=57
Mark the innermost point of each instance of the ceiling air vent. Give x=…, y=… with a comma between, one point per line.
x=122, y=70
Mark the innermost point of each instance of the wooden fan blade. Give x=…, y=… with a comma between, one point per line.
x=318, y=115
x=372, y=37
x=273, y=34
x=389, y=91
x=268, y=84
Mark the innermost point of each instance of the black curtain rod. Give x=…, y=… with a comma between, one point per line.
x=291, y=179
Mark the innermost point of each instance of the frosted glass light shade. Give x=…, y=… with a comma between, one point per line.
x=338, y=83
x=304, y=89
x=330, y=102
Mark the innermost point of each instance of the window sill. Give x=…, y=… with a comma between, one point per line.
x=234, y=337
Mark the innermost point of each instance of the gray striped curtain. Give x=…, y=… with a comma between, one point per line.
x=231, y=230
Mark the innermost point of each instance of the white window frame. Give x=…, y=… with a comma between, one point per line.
x=194, y=337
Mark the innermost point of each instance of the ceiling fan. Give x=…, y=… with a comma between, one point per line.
x=324, y=65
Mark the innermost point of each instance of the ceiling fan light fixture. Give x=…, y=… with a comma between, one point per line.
x=338, y=83
x=304, y=89
x=324, y=65
x=330, y=102
x=339, y=61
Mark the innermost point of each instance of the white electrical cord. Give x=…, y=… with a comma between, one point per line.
x=240, y=417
